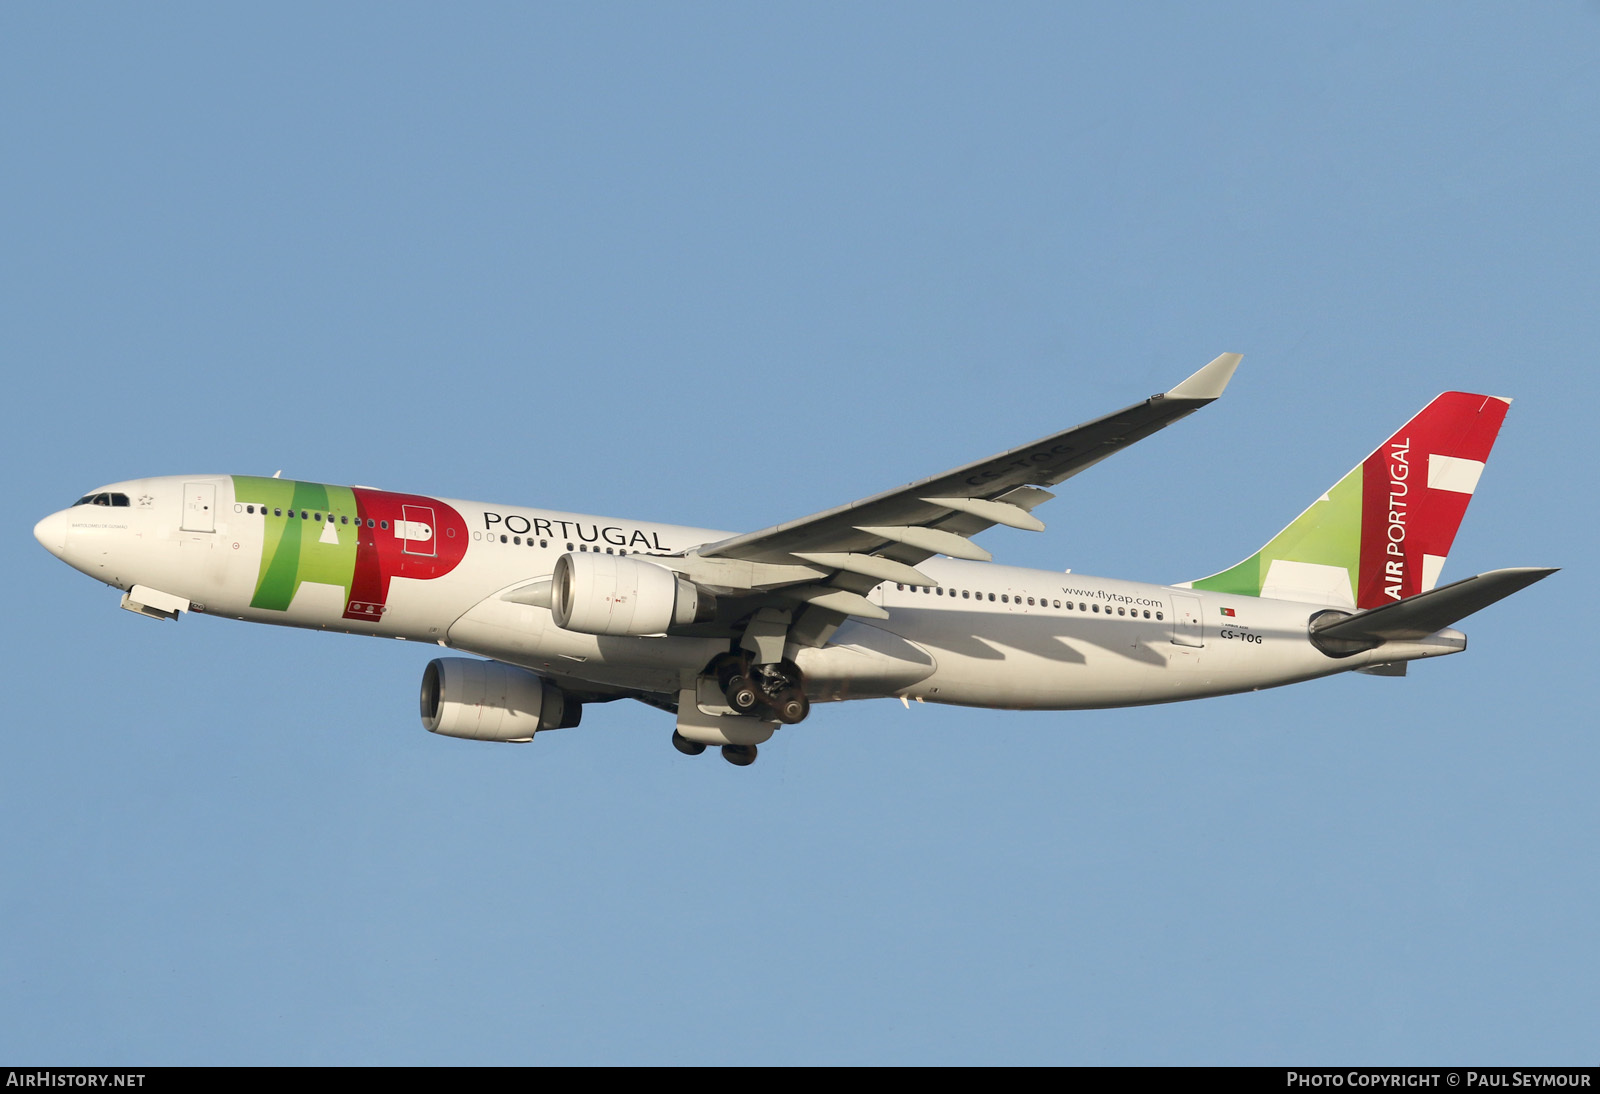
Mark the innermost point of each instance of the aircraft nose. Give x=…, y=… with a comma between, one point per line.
x=52, y=533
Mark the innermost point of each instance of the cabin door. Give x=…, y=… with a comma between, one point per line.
x=199, y=507
x=1186, y=626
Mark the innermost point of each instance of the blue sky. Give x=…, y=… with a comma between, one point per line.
x=726, y=265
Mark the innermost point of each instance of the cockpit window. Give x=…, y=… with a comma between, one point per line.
x=120, y=500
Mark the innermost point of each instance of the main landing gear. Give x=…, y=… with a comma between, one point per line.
x=757, y=695
x=737, y=755
x=773, y=691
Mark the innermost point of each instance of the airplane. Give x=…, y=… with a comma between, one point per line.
x=887, y=597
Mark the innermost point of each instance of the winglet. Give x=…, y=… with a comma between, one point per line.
x=1210, y=381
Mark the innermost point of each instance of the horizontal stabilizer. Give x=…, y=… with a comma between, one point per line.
x=1424, y=614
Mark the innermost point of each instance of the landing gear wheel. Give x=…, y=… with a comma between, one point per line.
x=739, y=755
x=686, y=746
x=793, y=709
x=742, y=695
x=729, y=669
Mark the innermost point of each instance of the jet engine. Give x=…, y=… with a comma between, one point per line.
x=615, y=594
x=490, y=701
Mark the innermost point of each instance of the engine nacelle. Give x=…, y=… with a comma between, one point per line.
x=615, y=594
x=490, y=701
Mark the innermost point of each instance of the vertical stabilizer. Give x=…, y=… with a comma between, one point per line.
x=1381, y=533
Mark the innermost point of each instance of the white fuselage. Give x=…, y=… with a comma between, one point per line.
x=989, y=635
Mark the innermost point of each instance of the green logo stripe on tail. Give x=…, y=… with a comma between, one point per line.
x=1326, y=534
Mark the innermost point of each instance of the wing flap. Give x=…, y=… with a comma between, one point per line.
x=935, y=541
x=837, y=600
x=875, y=566
x=995, y=512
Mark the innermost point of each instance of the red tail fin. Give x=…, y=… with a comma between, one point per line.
x=1414, y=492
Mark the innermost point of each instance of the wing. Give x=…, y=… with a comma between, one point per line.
x=829, y=559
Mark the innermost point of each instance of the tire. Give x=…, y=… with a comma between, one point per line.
x=686, y=746
x=739, y=755
x=742, y=695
